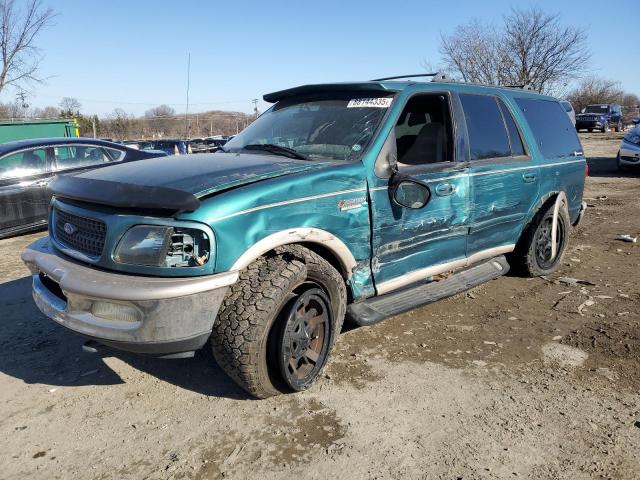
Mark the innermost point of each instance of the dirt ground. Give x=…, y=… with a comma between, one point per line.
x=519, y=378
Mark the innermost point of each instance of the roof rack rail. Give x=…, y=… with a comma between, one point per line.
x=437, y=77
x=525, y=86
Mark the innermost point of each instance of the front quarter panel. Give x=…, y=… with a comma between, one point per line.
x=332, y=200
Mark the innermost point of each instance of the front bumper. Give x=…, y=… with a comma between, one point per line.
x=630, y=154
x=154, y=315
x=585, y=124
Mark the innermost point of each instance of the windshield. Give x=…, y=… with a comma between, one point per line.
x=336, y=128
x=597, y=109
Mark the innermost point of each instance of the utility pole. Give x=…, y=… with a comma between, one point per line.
x=255, y=106
x=186, y=115
x=93, y=125
x=211, y=127
x=22, y=96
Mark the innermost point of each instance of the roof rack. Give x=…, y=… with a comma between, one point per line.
x=525, y=86
x=437, y=77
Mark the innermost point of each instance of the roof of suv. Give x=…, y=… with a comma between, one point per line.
x=392, y=87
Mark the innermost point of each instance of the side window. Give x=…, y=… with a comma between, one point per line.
x=78, y=156
x=25, y=163
x=423, y=131
x=486, y=128
x=114, y=155
x=551, y=126
x=517, y=148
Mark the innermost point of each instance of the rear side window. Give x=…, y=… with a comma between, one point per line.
x=517, y=148
x=554, y=133
x=486, y=128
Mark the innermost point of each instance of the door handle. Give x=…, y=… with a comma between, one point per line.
x=445, y=189
x=529, y=177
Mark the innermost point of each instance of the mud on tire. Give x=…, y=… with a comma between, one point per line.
x=243, y=334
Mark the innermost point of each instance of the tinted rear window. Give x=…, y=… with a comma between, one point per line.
x=554, y=133
x=487, y=134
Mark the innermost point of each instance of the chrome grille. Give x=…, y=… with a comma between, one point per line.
x=85, y=235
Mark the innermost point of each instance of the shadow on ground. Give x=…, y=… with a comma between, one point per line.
x=607, y=167
x=35, y=349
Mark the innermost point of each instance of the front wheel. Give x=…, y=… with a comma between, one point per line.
x=619, y=126
x=534, y=253
x=605, y=127
x=278, y=323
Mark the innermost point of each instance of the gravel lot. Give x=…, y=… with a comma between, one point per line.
x=520, y=378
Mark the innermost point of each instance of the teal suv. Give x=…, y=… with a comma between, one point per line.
x=344, y=200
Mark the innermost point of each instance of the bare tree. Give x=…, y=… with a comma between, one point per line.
x=473, y=52
x=160, y=111
x=593, y=90
x=70, y=106
x=532, y=47
x=19, y=29
x=46, y=112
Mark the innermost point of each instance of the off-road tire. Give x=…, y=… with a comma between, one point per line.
x=523, y=260
x=605, y=127
x=250, y=311
x=618, y=127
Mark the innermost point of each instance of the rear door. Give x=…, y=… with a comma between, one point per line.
x=504, y=179
x=23, y=197
x=410, y=243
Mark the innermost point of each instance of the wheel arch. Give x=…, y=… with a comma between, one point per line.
x=558, y=198
x=324, y=243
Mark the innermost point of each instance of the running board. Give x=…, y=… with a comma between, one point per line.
x=376, y=309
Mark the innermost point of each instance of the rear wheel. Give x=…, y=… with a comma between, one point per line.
x=278, y=323
x=534, y=253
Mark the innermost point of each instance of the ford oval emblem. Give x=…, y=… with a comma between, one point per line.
x=70, y=228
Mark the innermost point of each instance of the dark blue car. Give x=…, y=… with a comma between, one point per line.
x=27, y=166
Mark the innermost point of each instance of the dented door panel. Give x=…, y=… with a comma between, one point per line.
x=502, y=195
x=407, y=239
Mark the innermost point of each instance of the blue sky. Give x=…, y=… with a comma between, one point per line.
x=133, y=54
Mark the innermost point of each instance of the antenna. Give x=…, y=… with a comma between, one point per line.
x=398, y=77
x=186, y=115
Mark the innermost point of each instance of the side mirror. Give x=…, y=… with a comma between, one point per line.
x=408, y=192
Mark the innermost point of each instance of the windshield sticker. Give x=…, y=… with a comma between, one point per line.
x=369, y=102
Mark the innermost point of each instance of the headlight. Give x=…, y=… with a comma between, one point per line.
x=632, y=138
x=158, y=246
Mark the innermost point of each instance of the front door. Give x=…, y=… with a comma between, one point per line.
x=23, y=196
x=411, y=244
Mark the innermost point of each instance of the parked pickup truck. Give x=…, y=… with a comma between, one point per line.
x=342, y=200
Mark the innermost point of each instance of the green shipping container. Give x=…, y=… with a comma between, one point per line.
x=21, y=130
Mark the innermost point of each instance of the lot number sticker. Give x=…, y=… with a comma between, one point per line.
x=369, y=103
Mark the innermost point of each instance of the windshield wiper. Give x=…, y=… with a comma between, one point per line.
x=276, y=149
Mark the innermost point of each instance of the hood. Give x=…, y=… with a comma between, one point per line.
x=201, y=174
x=172, y=184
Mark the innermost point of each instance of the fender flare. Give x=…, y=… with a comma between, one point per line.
x=299, y=235
x=561, y=202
